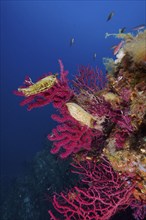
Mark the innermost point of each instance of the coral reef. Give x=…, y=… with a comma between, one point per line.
x=102, y=127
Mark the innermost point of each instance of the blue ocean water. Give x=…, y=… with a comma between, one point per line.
x=34, y=35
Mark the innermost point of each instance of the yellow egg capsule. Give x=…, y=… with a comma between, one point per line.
x=79, y=114
x=40, y=86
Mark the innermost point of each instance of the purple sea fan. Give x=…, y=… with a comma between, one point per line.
x=89, y=79
x=102, y=193
x=71, y=135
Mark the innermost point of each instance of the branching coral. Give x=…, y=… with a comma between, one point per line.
x=102, y=193
x=89, y=80
x=71, y=135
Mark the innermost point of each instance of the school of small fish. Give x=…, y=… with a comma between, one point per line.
x=116, y=48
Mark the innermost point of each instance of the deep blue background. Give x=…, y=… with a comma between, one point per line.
x=34, y=35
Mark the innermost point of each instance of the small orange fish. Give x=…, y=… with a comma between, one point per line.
x=118, y=47
x=139, y=27
x=113, y=47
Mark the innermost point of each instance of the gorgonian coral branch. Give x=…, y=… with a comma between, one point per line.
x=139, y=209
x=70, y=135
x=89, y=79
x=102, y=193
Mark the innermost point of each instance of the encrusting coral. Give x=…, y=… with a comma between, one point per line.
x=102, y=124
